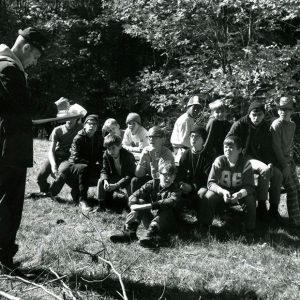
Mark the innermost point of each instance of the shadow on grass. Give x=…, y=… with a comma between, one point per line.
x=229, y=226
x=138, y=290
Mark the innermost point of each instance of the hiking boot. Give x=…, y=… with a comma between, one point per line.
x=126, y=236
x=151, y=239
x=84, y=206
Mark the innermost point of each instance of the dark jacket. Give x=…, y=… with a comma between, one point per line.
x=194, y=168
x=109, y=171
x=16, y=138
x=160, y=198
x=216, y=130
x=86, y=150
x=256, y=140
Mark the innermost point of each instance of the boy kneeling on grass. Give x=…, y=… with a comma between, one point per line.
x=117, y=171
x=155, y=205
x=230, y=182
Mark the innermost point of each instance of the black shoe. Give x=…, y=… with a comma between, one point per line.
x=125, y=236
x=38, y=195
x=275, y=215
x=261, y=211
x=149, y=242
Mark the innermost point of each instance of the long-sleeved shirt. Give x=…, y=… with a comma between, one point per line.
x=148, y=160
x=181, y=132
x=232, y=178
x=282, y=139
x=109, y=170
x=160, y=198
x=133, y=142
x=194, y=168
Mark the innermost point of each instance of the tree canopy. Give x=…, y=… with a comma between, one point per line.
x=122, y=55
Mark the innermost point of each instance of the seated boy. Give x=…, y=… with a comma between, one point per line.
x=147, y=167
x=193, y=169
x=84, y=163
x=61, y=139
x=135, y=136
x=180, y=138
x=254, y=132
x=283, y=130
x=217, y=128
x=155, y=205
x=117, y=171
x=230, y=182
x=111, y=126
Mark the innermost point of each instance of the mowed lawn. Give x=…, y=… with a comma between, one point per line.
x=55, y=236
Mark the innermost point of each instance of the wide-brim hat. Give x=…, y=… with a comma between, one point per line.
x=286, y=102
x=194, y=100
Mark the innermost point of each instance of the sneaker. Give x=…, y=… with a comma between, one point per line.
x=125, y=236
x=84, y=206
x=38, y=195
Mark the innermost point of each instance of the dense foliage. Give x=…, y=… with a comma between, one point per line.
x=120, y=55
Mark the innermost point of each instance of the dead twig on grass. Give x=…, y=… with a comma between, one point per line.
x=47, y=282
x=67, y=289
x=8, y=296
x=32, y=283
x=124, y=296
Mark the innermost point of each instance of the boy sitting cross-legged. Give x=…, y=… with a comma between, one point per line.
x=193, y=169
x=117, y=171
x=155, y=205
x=230, y=182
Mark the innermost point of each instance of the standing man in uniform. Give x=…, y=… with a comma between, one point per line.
x=16, y=143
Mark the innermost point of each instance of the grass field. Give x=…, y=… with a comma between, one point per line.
x=55, y=237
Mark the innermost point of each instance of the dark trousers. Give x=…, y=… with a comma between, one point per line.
x=79, y=177
x=45, y=172
x=212, y=200
x=12, y=189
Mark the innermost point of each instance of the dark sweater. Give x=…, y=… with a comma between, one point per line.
x=109, y=171
x=86, y=150
x=194, y=168
x=217, y=131
x=256, y=140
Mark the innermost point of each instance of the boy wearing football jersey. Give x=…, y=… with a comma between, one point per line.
x=231, y=182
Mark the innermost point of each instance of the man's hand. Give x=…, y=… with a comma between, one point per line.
x=62, y=103
x=236, y=197
x=106, y=185
x=226, y=196
x=54, y=170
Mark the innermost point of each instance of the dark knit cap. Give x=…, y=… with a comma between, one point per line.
x=34, y=37
x=257, y=105
x=200, y=130
x=94, y=118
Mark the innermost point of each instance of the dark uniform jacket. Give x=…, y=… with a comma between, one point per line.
x=109, y=171
x=86, y=150
x=16, y=138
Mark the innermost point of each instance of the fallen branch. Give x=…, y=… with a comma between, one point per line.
x=32, y=283
x=124, y=296
x=68, y=290
x=47, y=282
x=8, y=296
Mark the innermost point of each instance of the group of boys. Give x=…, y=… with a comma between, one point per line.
x=216, y=167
